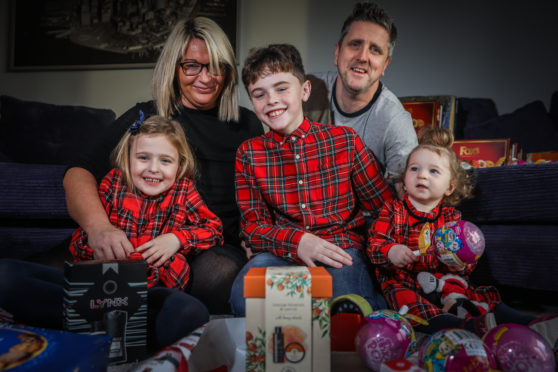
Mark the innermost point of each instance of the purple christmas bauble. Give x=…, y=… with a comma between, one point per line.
x=458, y=243
x=382, y=336
x=455, y=350
x=519, y=348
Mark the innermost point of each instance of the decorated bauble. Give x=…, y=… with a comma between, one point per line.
x=455, y=350
x=458, y=243
x=519, y=348
x=384, y=335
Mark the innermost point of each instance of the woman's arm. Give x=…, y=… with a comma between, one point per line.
x=85, y=207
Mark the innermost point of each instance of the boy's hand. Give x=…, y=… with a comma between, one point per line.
x=312, y=248
x=400, y=255
x=247, y=250
x=157, y=251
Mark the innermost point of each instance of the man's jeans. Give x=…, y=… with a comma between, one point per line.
x=355, y=279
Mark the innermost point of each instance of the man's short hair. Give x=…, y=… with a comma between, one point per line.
x=371, y=12
x=272, y=59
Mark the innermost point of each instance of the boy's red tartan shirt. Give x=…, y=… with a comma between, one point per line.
x=319, y=179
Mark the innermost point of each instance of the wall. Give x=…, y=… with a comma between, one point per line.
x=502, y=49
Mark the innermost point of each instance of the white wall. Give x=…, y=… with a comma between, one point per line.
x=502, y=49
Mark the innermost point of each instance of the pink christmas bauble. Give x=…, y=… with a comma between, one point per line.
x=382, y=336
x=519, y=348
x=458, y=243
x=455, y=350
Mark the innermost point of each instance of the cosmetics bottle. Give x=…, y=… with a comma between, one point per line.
x=278, y=346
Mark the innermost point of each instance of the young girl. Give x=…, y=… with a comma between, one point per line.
x=433, y=181
x=150, y=196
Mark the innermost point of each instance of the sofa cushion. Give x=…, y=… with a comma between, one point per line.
x=472, y=111
x=530, y=126
x=32, y=192
x=43, y=133
x=519, y=255
x=521, y=194
x=553, y=111
x=25, y=242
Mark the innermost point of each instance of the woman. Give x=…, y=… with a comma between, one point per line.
x=194, y=82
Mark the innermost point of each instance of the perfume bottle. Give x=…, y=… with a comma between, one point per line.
x=115, y=322
x=278, y=346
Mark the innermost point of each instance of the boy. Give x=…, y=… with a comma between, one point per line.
x=302, y=187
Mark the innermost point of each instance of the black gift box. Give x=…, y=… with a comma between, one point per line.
x=109, y=297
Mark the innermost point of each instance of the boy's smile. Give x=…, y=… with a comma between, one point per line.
x=277, y=99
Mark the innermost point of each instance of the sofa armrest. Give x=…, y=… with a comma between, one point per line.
x=32, y=191
x=521, y=194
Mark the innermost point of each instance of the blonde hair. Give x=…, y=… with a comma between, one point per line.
x=165, y=89
x=152, y=126
x=439, y=141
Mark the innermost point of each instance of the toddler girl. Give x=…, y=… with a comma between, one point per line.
x=433, y=180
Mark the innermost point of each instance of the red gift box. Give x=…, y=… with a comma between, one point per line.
x=484, y=153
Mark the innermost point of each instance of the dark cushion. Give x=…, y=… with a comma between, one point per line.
x=472, y=111
x=519, y=255
x=32, y=191
x=24, y=242
x=530, y=126
x=554, y=107
x=519, y=194
x=43, y=133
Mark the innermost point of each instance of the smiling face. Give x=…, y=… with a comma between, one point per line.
x=153, y=164
x=427, y=179
x=362, y=58
x=202, y=91
x=277, y=99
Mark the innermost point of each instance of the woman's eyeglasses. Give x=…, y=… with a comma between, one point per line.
x=194, y=68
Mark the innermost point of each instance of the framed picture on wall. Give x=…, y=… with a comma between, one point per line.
x=102, y=34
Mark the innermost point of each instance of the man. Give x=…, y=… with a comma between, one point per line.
x=353, y=95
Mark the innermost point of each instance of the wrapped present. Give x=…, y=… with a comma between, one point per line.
x=35, y=349
x=434, y=110
x=542, y=157
x=287, y=319
x=484, y=153
x=109, y=297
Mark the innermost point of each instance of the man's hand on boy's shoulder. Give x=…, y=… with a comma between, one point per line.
x=312, y=249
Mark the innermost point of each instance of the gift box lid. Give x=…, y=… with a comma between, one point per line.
x=254, y=282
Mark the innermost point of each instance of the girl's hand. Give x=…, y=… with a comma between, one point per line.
x=400, y=255
x=157, y=251
x=312, y=248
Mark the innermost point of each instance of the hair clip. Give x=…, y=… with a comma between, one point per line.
x=134, y=128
